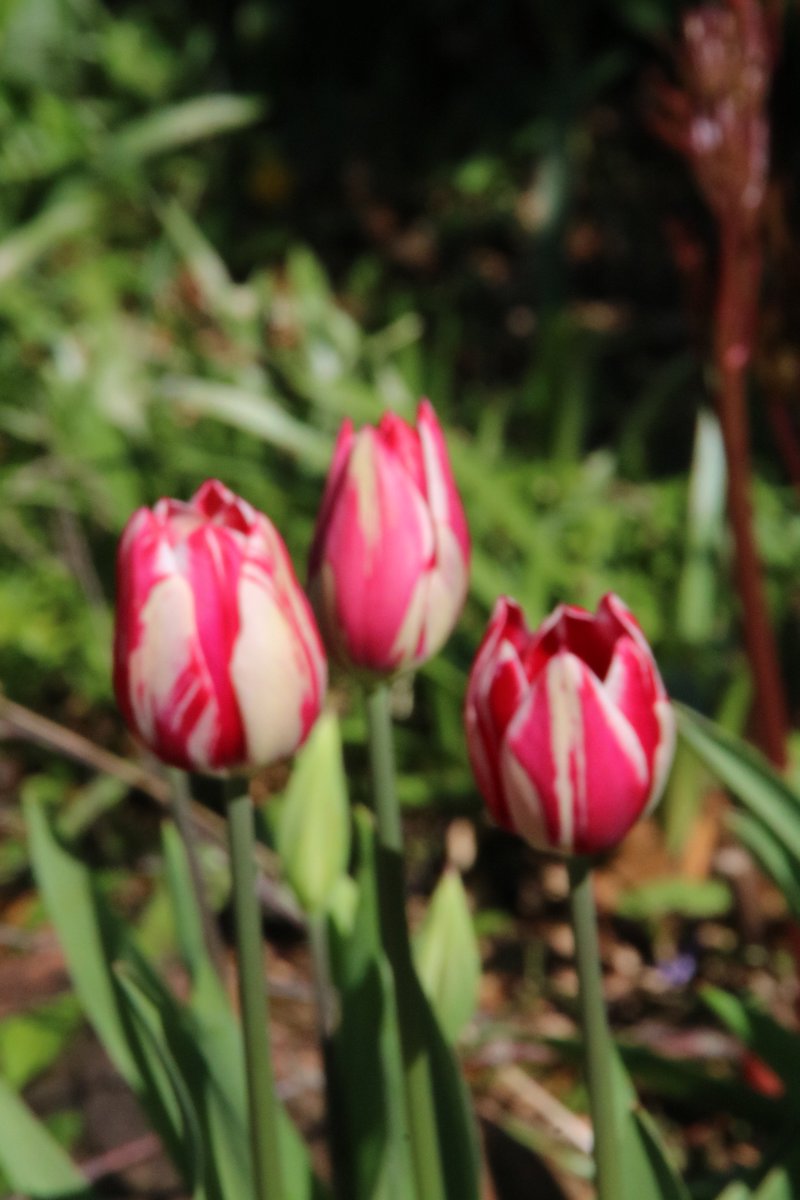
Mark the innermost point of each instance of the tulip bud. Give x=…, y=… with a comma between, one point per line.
x=217, y=660
x=570, y=731
x=390, y=558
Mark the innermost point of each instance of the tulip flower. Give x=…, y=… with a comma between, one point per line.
x=569, y=729
x=217, y=660
x=390, y=557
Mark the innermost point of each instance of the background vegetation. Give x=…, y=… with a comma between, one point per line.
x=224, y=228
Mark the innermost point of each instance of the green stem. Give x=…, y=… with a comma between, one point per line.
x=326, y=1016
x=599, y=1048
x=262, y=1102
x=181, y=809
x=421, y=1111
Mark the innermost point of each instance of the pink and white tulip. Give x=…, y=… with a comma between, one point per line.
x=218, y=664
x=390, y=560
x=569, y=729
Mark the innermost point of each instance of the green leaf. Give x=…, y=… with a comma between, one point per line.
x=263, y=416
x=188, y=919
x=779, y=1047
x=32, y=1160
x=771, y=855
x=365, y=1072
x=181, y=124
x=647, y=1169
x=782, y=1181
x=206, y=1042
x=447, y=957
x=748, y=775
x=30, y=1041
x=65, y=217
x=314, y=828
x=164, y=1074
x=692, y=898
x=85, y=932
x=736, y=1191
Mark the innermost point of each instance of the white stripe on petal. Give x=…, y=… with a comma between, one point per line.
x=664, y=752
x=524, y=805
x=268, y=672
x=562, y=679
x=163, y=654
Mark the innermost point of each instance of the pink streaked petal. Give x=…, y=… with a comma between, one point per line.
x=171, y=692
x=633, y=686
x=583, y=759
x=589, y=637
x=616, y=612
x=294, y=604
x=664, y=754
x=526, y=814
x=402, y=441
x=379, y=541
x=211, y=562
x=436, y=602
x=440, y=487
x=216, y=502
x=333, y=484
x=143, y=558
x=483, y=752
x=271, y=673
x=494, y=689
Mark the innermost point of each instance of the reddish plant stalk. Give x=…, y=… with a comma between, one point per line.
x=718, y=120
x=739, y=278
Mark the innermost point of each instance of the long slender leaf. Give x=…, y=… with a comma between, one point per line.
x=206, y=1042
x=163, y=1070
x=86, y=935
x=758, y=787
x=184, y=123
x=446, y=956
x=32, y=1160
x=648, y=1171
x=259, y=415
x=779, y=1047
x=368, y=1125
x=771, y=854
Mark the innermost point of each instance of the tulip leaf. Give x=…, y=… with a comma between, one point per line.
x=164, y=1073
x=203, y=1039
x=368, y=1116
x=314, y=829
x=694, y=899
x=757, y=785
x=771, y=854
x=446, y=956
x=647, y=1170
x=188, y=918
x=782, y=1181
x=33, y=1162
x=87, y=936
x=761, y=1033
x=218, y=1079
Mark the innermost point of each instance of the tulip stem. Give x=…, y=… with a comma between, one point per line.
x=262, y=1101
x=599, y=1049
x=181, y=809
x=421, y=1111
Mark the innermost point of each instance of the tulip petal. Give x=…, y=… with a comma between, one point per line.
x=495, y=689
x=379, y=540
x=440, y=488
x=269, y=675
x=210, y=560
x=584, y=765
x=170, y=690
